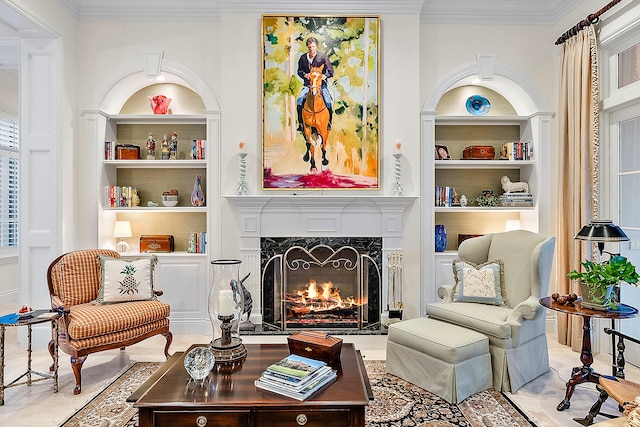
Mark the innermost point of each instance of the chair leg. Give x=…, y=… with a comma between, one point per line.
x=76, y=365
x=595, y=409
x=52, y=352
x=169, y=337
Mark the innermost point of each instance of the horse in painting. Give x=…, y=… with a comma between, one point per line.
x=315, y=119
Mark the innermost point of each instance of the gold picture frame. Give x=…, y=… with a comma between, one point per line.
x=344, y=154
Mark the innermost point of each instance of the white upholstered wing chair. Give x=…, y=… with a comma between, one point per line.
x=516, y=332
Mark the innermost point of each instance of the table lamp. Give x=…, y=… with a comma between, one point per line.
x=601, y=231
x=121, y=230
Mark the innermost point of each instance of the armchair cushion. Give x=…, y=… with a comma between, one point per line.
x=482, y=283
x=125, y=280
x=89, y=320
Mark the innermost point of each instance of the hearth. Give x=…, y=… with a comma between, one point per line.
x=331, y=284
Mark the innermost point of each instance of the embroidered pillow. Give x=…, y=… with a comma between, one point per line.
x=479, y=283
x=125, y=280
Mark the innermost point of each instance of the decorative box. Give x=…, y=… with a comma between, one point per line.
x=316, y=345
x=156, y=243
x=479, y=152
x=127, y=152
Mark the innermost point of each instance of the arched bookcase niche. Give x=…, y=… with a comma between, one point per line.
x=518, y=113
x=122, y=115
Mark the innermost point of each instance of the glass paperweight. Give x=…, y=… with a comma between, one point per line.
x=199, y=362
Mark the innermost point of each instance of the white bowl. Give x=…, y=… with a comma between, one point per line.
x=169, y=203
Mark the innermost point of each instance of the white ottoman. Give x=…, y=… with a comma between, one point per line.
x=445, y=359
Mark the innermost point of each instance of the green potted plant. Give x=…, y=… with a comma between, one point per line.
x=599, y=280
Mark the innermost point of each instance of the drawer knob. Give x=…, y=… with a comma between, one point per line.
x=201, y=421
x=301, y=419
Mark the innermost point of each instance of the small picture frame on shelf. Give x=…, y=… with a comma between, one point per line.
x=442, y=152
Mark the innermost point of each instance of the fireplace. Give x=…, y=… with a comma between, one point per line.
x=331, y=284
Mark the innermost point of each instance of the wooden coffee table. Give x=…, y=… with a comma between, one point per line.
x=232, y=399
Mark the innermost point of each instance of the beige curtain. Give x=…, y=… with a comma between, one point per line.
x=578, y=164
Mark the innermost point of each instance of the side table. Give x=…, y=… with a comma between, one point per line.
x=585, y=373
x=14, y=320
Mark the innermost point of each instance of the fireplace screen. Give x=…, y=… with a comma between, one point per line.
x=322, y=288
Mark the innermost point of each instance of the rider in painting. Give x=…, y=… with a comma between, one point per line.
x=313, y=58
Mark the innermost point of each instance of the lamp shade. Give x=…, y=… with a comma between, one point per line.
x=601, y=230
x=122, y=229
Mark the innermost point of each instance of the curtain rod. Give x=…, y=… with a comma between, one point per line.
x=589, y=20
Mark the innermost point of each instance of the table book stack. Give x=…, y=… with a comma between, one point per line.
x=296, y=376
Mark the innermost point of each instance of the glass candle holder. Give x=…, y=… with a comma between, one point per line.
x=225, y=305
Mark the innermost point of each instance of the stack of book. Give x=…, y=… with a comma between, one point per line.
x=521, y=200
x=517, y=151
x=296, y=376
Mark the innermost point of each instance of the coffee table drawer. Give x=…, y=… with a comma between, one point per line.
x=200, y=419
x=301, y=417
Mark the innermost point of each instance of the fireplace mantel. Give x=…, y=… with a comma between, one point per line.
x=320, y=215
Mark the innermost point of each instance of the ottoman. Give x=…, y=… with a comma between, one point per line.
x=448, y=360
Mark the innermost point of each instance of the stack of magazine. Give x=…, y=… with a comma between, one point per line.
x=296, y=376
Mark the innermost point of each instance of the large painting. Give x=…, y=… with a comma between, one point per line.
x=320, y=102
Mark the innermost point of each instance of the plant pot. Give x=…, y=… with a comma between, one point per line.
x=597, y=300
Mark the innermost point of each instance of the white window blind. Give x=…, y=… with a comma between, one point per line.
x=9, y=164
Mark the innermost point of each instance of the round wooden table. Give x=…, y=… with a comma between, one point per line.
x=584, y=373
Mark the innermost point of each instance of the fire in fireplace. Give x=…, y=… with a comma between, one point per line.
x=322, y=286
x=313, y=305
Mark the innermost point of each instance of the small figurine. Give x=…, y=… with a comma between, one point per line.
x=463, y=200
x=135, y=199
x=151, y=147
x=173, y=154
x=152, y=204
x=513, y=187
x=455, y=201
x=166, y=148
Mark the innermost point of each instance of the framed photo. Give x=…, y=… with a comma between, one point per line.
x=320, y=102
x=442, y=152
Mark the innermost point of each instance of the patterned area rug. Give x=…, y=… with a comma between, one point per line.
x=396, y=403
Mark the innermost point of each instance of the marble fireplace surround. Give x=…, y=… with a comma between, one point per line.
x=308, y=215
x=353, y=267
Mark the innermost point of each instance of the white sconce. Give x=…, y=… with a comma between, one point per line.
x=122, y=230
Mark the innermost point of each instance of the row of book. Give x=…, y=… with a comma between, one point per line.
x=197, y=242
x=521, y=200
x=119, y=197
x=445, y=197
x=109, y=150
x=517, y=151
x=197, y=149
x=297, y=377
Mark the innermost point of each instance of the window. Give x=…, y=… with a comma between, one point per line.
x=629, y=66
x=9, y=166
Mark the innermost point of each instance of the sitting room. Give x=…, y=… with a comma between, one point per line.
x=432, y=200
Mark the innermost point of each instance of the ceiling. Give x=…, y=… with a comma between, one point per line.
x=468, y=11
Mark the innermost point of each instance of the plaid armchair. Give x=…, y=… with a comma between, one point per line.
x=85, y=327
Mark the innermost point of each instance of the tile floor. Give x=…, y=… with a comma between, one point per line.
x=39, y=406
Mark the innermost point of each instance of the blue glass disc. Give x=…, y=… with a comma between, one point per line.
x=478, y=105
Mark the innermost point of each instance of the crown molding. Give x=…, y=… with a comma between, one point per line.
x=496, y=11
x=322, y=8
x=430, y=11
